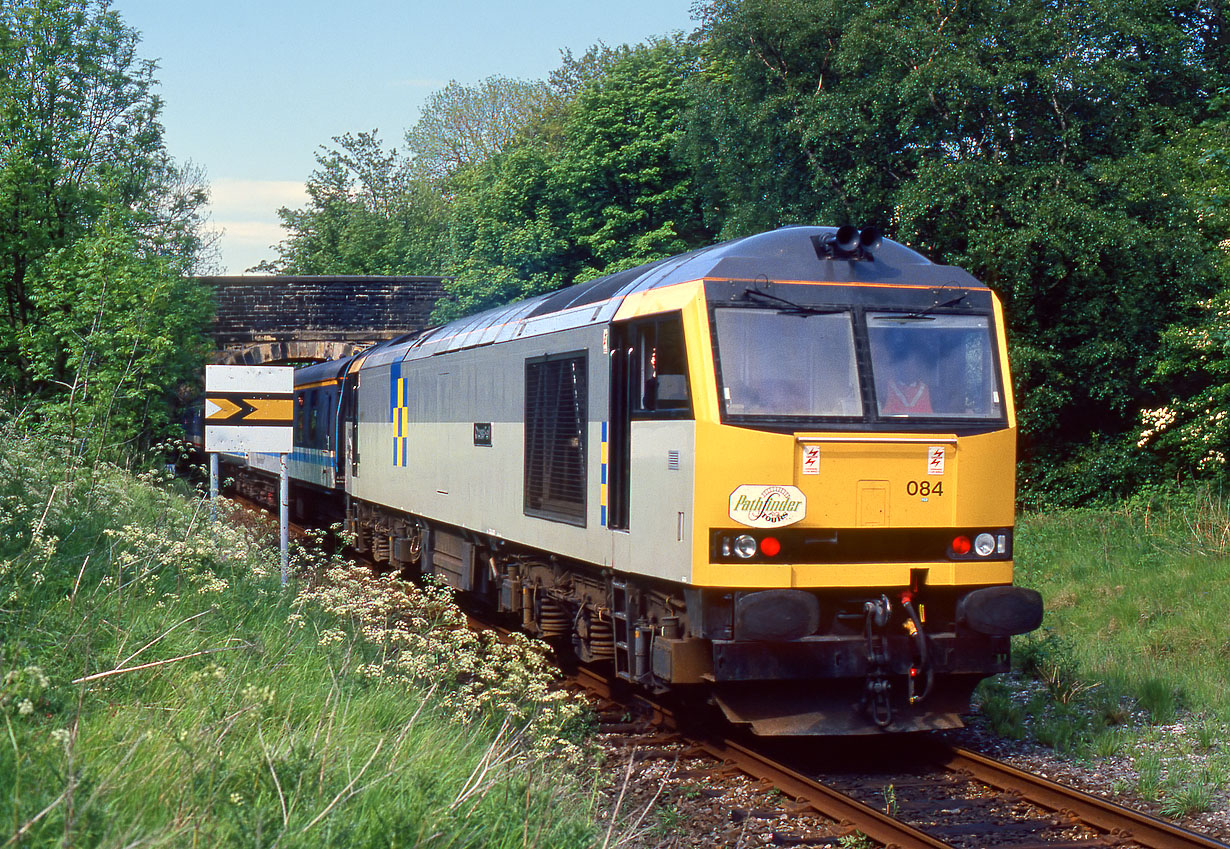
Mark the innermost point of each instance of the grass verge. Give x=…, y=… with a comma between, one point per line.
x=159, y=688
x=1134, y=655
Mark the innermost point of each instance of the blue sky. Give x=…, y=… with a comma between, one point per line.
x=254, y=88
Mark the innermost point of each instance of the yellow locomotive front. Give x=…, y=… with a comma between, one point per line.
x=854, y=480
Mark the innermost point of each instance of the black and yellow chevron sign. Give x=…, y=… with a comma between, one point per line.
x=249, y=408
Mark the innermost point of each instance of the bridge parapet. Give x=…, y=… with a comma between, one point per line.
x=284, y=318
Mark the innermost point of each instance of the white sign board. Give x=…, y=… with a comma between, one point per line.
x=935, y=460
x=811, y=459
x=249, y=408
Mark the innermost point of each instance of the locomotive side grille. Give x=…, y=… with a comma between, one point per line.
x=555, y=423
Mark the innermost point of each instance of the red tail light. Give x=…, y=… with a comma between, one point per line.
x=960, y=545
x=770, y=547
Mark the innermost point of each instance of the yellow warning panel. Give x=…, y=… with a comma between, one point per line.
x=243, y=409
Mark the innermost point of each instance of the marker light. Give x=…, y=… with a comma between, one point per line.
x=984, y=545
x=770, y=547
x=960, y=545
x=745, y=545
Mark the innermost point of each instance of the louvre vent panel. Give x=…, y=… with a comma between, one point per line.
x=555, y=425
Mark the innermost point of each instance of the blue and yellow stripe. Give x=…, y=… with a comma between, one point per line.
x=602, y=486
x=399, y=414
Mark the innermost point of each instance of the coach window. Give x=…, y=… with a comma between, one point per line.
x=330, y=401
x=556, y=420
x=300, y=417
x=660, y=370
x=313, y=412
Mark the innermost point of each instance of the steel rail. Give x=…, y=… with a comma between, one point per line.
x=823, y=799
x=1120, y=822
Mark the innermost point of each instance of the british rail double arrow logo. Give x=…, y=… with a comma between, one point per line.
x=249, y=408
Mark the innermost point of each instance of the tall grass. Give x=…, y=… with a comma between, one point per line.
x=1134, y=654
x=158, y=687
x=1142, y=595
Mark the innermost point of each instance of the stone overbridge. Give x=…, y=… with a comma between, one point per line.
x=278, y=319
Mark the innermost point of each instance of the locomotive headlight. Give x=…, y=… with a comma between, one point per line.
x=745, y=545
x=984, y=545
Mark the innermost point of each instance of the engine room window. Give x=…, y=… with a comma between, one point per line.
x=777, y=363
x=555, y=435
x=936, y=366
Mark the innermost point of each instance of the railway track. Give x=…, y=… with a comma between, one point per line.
x=932, y=796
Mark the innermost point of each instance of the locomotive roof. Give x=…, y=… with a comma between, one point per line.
x=785, y=254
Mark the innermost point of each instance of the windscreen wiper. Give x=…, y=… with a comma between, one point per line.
x=925, y=315
x=789, y=307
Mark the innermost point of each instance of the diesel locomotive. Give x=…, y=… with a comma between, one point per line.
x=779, y=471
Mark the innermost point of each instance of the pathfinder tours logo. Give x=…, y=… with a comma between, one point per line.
x=767, y=506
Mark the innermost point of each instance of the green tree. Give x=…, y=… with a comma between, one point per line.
x=761, y=64
x=1029, y=142
x=629, y=197
x=600, y=191
x=122, y=331
x=1188, y=429
x=84, y=174
x=366, y=215
x=79, y=128
x=463, y=126
x=507, y=232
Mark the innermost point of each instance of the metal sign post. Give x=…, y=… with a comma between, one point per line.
x=284, y=521
x=213, y=488
x=250, y=409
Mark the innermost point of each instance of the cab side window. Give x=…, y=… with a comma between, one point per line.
x=660, y=369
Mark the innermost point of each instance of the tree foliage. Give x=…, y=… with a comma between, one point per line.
x=366, y=215
x=604, y=192
x=1030, y=142
x=1189, y=429
x=629, y=197
x=122, y=331
x=463, y=125
x=507, y=232
x=94, y=216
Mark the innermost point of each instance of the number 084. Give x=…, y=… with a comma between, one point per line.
x=924, y=488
